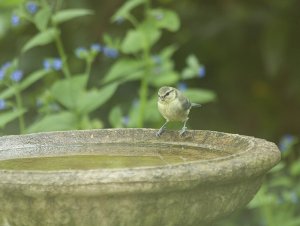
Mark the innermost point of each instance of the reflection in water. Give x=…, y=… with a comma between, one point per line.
x=97, y=156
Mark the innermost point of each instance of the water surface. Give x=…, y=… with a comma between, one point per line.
x=100, y=156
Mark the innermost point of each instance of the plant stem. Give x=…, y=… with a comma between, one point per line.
x=87, y=72
x=63, y=57
x=65, y=67
x=19, y=107
x=143, y=98
x=144, y=83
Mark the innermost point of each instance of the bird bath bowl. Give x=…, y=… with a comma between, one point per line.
x=129, y=177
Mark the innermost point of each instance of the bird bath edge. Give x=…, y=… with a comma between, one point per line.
x=172, y=188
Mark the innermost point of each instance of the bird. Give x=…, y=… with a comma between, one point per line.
x=173, y=106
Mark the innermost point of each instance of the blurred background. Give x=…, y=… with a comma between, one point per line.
x=250, y=50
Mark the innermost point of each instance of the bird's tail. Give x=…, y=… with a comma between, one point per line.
x=194, y=105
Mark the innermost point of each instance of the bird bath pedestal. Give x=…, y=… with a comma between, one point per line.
x=129, y=177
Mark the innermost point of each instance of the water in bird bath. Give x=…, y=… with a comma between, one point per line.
x=105, y=156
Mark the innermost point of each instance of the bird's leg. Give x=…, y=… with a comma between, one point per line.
x=183, y=130
x=161, y=130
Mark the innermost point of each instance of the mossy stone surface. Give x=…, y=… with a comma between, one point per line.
x=190, y=193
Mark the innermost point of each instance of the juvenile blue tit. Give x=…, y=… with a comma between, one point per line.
x=173, y=106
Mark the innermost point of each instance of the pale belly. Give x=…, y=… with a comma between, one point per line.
x=173, y=112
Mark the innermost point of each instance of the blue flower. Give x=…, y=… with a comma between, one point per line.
x=120, y=20
x=286, y=142
x=57, y=64
x=31, y=7
x=110, y=52
x=15, y=20
x=182, y=86
x=47, y=64
x=125, y=120
x=96, y=48
x=17, y=75
x=201, y=72
x=6, y=65
x=81, y=52
x=2, y=104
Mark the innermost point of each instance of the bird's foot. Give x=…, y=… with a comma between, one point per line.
x=160, y=131
x=182, y=131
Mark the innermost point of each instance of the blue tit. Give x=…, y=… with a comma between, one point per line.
x=173, y=106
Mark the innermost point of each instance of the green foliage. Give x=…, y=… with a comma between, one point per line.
x=166, y=19
x=200, y=95
x=125, y=10
x=68, y=100
x=10, y=116
x=57, y=121
x=69, y=14
x=42, y=38
x=277, y=201
x=42, y=18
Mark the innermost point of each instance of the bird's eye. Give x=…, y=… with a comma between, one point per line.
x=167, y=94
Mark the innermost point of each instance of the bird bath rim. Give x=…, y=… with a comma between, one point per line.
x=252, y=157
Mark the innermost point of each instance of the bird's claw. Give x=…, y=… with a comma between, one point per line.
x=160, y=131
x=182, y=131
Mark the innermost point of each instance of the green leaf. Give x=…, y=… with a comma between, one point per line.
x=141, y=38
x=164, y=79
x=42, y=17
x=168, y=51
x=115, y=117
x=295, y=168
x=68, y=91
x=122, y=70
x=55, y=122
x=150, y=33
x=278, y=168
x=91, y=100
x=281, y=182
x=10, y=3
x=152, y=114
x=133, y=115
x=7, y=117
x=192, y=69
x=165, y=19
x=263, y=198
x=188, y=73
x=69, y=14
x=28, y=81
x=125, y=9
x=108, y=40
x=192, y=62
x=42, y=38
x=200, y=95
x=133, y=42
x=87, y=123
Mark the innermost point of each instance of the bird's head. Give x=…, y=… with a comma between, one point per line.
x=167, y=94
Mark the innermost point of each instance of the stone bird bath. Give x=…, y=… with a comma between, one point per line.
x=129, y=177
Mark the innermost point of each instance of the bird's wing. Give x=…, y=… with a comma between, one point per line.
x=185, y=103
